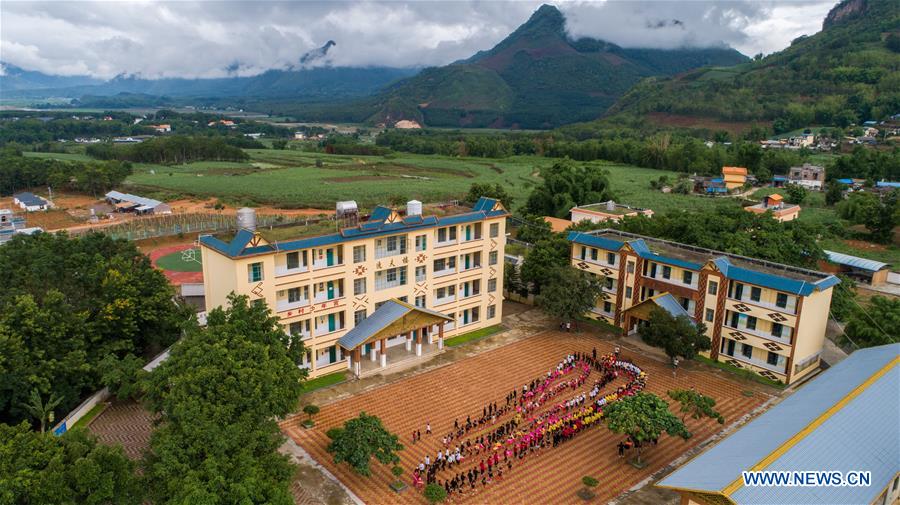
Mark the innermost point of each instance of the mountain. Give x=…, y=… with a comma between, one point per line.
x=847, y=73
x=17, y=78
x=536, y=77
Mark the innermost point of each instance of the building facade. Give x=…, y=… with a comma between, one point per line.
x=606, y=211
x=760, y=316
x=320, y=287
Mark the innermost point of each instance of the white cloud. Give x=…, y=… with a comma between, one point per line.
x=213, y=38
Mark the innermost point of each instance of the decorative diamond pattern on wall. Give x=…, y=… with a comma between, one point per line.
x=772, y=346
x=257, y=290
x=606, y=271
x=778, y=318
x=734, y=362
x=742, y=308
x=769, y=375
x=737, y=336
x=582, y=265
x=420, y=258
x=359, y=270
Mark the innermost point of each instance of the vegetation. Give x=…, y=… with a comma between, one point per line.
x=18, y=173
x=543, y=261
x=677, y=336
x=473, y=335
x=643, y=418
x=170, y=150
x=434, y=493
x=324, y=381
x=496, y=191
x=68, y=303
x=570, y=293
x=691, y=403
x=865, y=330
x=879, y=214
x=218, y=396
x=40, y=410
x=362, y=438
x=73, y=468
x=566, y=185
x=310, y=410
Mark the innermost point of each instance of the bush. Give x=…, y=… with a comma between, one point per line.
x=434, y=493
x=589, y=481
x=334, y=433
x=397, y=471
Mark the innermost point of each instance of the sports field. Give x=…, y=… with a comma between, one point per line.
x=550, y=475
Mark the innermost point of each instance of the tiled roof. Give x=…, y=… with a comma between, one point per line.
x=845, y=419
x=389, y=312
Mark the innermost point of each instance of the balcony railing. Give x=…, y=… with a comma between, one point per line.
x=324, y=264
x=676, y=282
x=323, y=330
x=283, y=305
x=792, y=310
x=323, y=296
x=757, y=362
x=471, y=267
x=284, y=270
x=383, y=283
x=446, y=299
x=445, y=271
x=443, y=243
x=760, y=334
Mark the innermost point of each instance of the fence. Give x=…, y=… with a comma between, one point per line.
x=174, y=224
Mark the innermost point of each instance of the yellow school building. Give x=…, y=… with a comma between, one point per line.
x=760, y=316
x=443, y=270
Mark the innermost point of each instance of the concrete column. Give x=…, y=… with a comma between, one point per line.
x=408, y=341
x=373, y=354
x=383, y=360
x=441, y=335
x=419, y=343
x=350, y=361
x=383, y=352
x=356, y=361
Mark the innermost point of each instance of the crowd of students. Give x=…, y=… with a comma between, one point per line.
x=478, y=450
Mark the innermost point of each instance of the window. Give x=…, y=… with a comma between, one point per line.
x=583, y=252
x=781, y=300
x=297, y=327
x=492, y=258
x=755, y=293
x=255, y=272
x=747, y=350
x=420, y=274
x=421, y=242
x=608, y=284
x=593, y=254
x=629, y=267
x=687, y=277
x=751, y=323
x=713, y=287
x=628, y=292
x=446, y=234
x=259, y=302
x=358, y=316
x=420, y=301
x=772, y=358
x=667, y=272
x=492, y=285
x=294, y=295
x=777, y=329
x=359, y=253
x=492, y=313
x=611, y=258
x=495, y=230
x=293, y=260
x=359, y=286
x=710, y=315
x=607, y=307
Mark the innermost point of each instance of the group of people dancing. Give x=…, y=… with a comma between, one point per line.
x=529, y=421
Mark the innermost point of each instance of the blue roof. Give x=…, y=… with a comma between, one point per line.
x=845, y=181
x=779, y=177
x=594, y=241
x=30, y=199
x=857, y=410
x=484, y=204
x=389, y=312
x=887, y=184
x=380, y=214
x=643, y=250
x=854, y=261
x=668, y=302
x=788, y=285
x=238, y=245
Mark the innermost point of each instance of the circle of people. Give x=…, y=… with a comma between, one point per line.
x=518, y=427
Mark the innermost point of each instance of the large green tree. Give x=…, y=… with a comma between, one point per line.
x=565, y=185
x=643, y=417
x=543, y=259
x=218, y=397
x=875, y=324
x=361, y=439
x=496, y=191
x=65, y=304
x=570, y=293
x=677, y=336
x=692, y=403
x=73, y=468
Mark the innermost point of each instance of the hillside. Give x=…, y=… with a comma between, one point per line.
x=847, y=73
x=536, y=77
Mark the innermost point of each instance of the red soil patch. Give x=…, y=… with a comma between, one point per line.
x=863, y=245
x=176, y=278
x=733, y=127
x=552, y=475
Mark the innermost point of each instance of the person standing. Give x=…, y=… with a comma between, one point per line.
x=616, y=351
x=428, y=428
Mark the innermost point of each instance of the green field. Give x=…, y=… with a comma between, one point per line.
x=175, y=262
x=60, y=156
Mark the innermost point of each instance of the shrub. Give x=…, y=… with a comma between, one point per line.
x=434, y=493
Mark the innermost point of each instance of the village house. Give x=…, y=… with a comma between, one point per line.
x=775, y=204
x=161, y=128
x=807, y=175
x=734, y=177
x=606, y=211
x=31, y=202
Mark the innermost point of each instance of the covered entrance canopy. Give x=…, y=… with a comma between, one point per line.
x=394, y=318
x=641, y=312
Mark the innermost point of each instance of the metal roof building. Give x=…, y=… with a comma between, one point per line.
x=862, y=269
x=845, y=420
x=139, y=204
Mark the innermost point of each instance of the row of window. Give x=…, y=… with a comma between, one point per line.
x=729, y=347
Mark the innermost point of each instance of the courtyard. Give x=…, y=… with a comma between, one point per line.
x=462, y=388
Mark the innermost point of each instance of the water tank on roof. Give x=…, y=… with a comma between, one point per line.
x=345, y=208
x=610, y=205
x=246, y=219
x=413, y=208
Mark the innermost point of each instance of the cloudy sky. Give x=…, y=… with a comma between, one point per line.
x=213, y=38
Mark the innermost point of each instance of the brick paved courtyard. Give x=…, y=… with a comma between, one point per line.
x=464, y=387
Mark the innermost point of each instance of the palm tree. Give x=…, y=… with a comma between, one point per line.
x=43, y=412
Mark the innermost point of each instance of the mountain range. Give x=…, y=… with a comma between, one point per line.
x=848, y=72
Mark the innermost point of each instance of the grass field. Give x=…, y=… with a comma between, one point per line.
x=174, y=262
x=60, y=156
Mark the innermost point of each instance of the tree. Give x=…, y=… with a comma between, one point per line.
x=834, y=193
x=542, y=261
x=795, y=193
x=695, y=405
x=533, y=230
x=218, y=397
x=566, y=185
x=496, y=191
x=72, y=468
x=279, y=144
x=361, y=439
x=879, y=215
x=643, y=417
x=435, y=493
x=677, y=336
x=123, y=377
x=40, y=410
x=875, y=325
x=66, y=303
x=570, y=293
x=310, y=410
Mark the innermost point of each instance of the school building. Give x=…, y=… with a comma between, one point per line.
x=760, y=316
x=367, y=290
x=840, y=423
